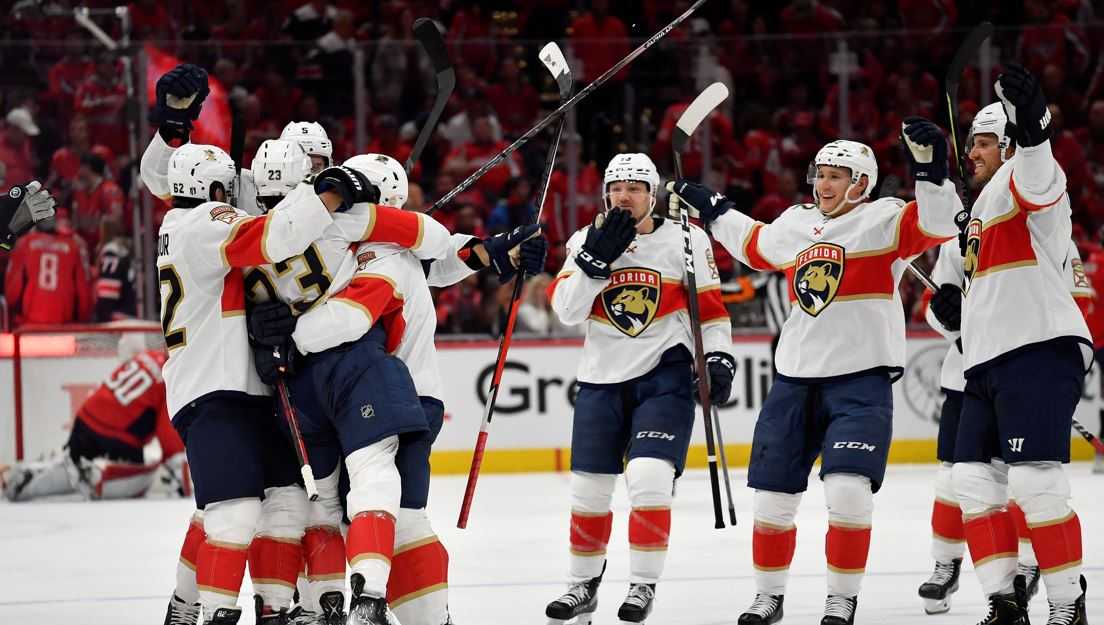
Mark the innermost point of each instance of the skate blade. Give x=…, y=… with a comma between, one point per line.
x=937, y=606
x=582, y=619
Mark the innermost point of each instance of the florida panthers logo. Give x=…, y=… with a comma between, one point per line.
x=973, y=250
x=632, y=299
x=817, y=276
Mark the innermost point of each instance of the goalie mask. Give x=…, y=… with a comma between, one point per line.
x=991, y=120
x=312, y=137
x=278, y=168
x=856, y=157
x=386, y=174
x=197, y=170
x=633, y=167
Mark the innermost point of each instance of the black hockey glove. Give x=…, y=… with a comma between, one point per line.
x=606, y=242
x=1025, y=105
x=271, y=323
x=180, y=95
x=534, y=253
x=721, y=368
x=926, y=148
x=21, y=208
x=350, y=184
x=946, y=305
x=275, y=362
x=499, y=246
x=703, y=201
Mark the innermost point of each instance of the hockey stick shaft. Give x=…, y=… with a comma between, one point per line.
x=563, y=78
x=297, y=439
x=563, y=108
x=724, y=466
x=425, y=31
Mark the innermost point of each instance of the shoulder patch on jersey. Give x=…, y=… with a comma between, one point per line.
x=1080, y=280
x=225, y=213
x=364, y=258
x=632, y=299
x=818, y=272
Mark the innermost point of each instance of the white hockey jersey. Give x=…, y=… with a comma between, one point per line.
x=388, y=285
x=948, y=269
x=1017, y=255
x=200, y=254
x=640, y=311
x=843, y=274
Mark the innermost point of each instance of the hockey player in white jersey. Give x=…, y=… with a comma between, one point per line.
x=388, y=286
x=1026, y=349
x=840, y=350
x=624, y=278
x=944, y=315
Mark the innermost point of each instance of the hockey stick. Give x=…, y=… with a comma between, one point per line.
x=554, y=60
x=724, y=466
x=563, y=108
x=425, y=31
x=694, y=114
x=966, y=51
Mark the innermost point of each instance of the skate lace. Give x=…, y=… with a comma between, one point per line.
x=838, y=606
x=764, y=605
x=184, y=613
x=640, y=595
x=1061, y=613
x=576, y=594
x=943, y=573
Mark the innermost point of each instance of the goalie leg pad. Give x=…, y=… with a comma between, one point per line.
x=119, y=480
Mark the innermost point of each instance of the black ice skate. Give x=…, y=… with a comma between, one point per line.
x=1008, y=609
x=943, y=582
x=181, y=612
x=301, y=616
x=638, y=604
x=224, y=616
x=365, y=609
x=283, y=617
x=332, y=605
x=1031, y=575
x=766, y=609
x=839, y=610
x=1070, y=613
x=579, y=603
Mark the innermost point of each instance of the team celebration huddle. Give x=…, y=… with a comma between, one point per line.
x=303, y=385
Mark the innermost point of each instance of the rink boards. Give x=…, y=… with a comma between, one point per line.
x=531, y=430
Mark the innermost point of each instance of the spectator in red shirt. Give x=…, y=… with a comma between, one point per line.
x=101, y=98
x=771, y=205
x=15, y=148
x=514, y=99
x=65, y=77
x=66, y=161
x=470, y=156
x=47, y=280
x=97, y=199
x=150, y=20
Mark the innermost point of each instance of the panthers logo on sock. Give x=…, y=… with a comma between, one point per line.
x=818, y=272
x=632, y=299
x=973, y=251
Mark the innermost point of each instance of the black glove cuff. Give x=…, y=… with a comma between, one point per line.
x=721, y=358
x=591, y=266
x=175, y=133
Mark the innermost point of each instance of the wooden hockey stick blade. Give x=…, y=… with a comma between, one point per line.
x=427, y=34
x=553, y=59
x=708, y=100
x=966, y=51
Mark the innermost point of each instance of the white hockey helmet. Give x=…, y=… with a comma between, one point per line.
x=636, y=167
x=312, y=136
x=856, y=157
x=386, y=173
x=278, y=167
x=991, y=120
x=195, y=168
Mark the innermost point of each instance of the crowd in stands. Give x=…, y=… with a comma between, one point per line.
x=65, y=106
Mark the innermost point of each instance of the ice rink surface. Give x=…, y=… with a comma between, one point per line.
x=114, y=562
